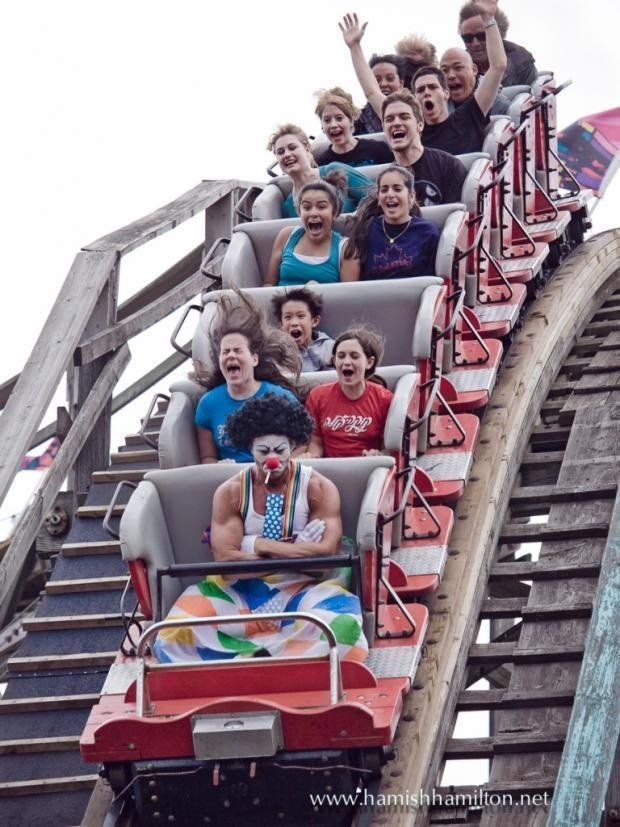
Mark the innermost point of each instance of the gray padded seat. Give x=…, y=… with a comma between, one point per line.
x=402, y=308
x=247, y=258
x=512, y=91
x=518, y=103
x=178, y=445
x=493, y=134
x=168, y=512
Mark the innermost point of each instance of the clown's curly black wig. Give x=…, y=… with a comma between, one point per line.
x=269, y=414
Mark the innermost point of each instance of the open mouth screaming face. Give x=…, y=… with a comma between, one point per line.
x=298, y=322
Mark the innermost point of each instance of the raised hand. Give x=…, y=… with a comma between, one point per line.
x=487, y=8
x=351, y=29
x=312, y=533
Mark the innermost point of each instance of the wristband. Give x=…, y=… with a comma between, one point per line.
x=247, y=544
x=489, y=23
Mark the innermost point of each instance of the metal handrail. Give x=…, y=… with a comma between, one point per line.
x=179, y=325
x=336, y=692
x=142, y=431
x=459, y=295
x=110, y=510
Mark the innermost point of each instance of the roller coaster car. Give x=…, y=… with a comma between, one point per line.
x=216, y=742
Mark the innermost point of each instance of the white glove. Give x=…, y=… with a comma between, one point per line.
x=312, y=533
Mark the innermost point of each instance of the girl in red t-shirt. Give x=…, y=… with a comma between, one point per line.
x=350, y=414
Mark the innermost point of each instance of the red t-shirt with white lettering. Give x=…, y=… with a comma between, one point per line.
x=349, y=426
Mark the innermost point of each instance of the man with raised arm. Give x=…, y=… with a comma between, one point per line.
x=456, y=132
x=462, y=77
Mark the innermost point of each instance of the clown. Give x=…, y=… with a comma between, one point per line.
x=277, y=508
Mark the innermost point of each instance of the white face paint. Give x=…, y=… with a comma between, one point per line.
x=272, y=453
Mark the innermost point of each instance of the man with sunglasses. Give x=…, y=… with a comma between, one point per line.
x=462, y=130
x=521, y=68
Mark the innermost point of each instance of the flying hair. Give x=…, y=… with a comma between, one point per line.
x=278, y=358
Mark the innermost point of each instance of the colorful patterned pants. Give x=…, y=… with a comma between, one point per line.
x=213, y=596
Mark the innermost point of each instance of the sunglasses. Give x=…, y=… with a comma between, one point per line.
x=469, y=38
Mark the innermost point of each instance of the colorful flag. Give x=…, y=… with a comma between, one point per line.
x=44, y=460
x=590, y=148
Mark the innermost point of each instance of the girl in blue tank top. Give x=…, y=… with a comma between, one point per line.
x=311, y=252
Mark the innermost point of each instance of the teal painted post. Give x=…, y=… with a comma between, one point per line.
x=594, y=726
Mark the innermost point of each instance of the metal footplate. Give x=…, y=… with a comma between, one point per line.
x=393, y=661
x=473, y=380
x=496, y=312
x=454, y=465
x=558, y=225
x=528, y=263
x=419, y=561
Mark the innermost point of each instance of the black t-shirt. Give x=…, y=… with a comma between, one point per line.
x=367, y=122
x=462, y=131
x=367, y=151
x=439, y=178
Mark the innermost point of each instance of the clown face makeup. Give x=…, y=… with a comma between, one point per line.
x=271, y=454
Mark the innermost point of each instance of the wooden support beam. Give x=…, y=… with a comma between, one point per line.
x=94, y=621
x=91, y=584
x=483, y=699
x=560, y=494
x=147, y=455
x=99, y=511
x=130, y=474
x=96, y=450
x=545, y=569
x=53, y=702
x=23, y=746
x=495, y=609
x=12, y=564
x=481, y=653
x=540, y=532
x=44, y=786
x=118, y=333
x=39, y=379
x=503, y=744
x=45, y=662
x=192, y=202
x=595, y=722
x=88, y=548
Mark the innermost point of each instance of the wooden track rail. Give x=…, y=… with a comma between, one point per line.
x=478, y=582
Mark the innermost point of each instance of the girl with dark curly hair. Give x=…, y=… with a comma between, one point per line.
x=250, y=360
x=277, y=508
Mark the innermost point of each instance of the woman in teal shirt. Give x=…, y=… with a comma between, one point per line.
x=291, y=146
x=312, y=251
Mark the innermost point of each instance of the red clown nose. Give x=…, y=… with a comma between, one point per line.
x=272, y=464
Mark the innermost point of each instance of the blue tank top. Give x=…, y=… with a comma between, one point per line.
x=296, y=272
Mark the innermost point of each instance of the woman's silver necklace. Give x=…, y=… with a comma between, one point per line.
x=390, y=238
